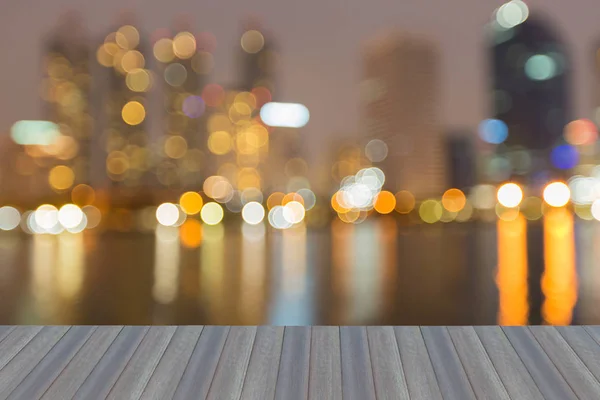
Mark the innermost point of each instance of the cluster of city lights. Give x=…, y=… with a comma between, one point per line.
x=49, y=219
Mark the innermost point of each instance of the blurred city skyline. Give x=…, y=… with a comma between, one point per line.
x=314, y=53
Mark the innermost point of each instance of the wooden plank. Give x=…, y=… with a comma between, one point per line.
x=584, y=346
x=481, y=372
x=388, y=374
x=170, y=369
x=49, y=367
x=15, y=341
x=357, y=373
x=449, y=371
x=508, y=364
x=261, y=375
x=292, y=380
x=26, y=360
x=5, y=330
x=231, y=370
x=111, y=365
x=420, y=376
x=140, y=367
x=325, y=380
x=571, y=367
x=542, y=370
x=82, y=364
x=201, y=367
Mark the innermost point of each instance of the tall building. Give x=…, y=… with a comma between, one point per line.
x=185, y=62
x=122, y=106
x=400, y=95
x=66, y=98
x=461, y=161
x=257, y=58
x=530, y=78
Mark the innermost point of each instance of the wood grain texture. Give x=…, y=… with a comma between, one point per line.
x=292, y=379
x=261, y=376
x=584, y=345
x=15, y=341
x=46, y=371
x=449, y=371
x=4, y=331
x=567, y=362
x=201, y=367
x=82, y=364
x=420, y=376
x=103, y=376
x=140, y=367
x=170, y=369
x=325, y=380
x=26, y=360
x=231, y=370
x=481, y=372
x=517, y=380
x=357, y=372
x=542, y=370
x=388, y=374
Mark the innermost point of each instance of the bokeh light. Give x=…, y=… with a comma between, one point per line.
x=493, y=131
x=510, y=195
x=167, y=214
x=430, y=211
x=70, y=216
x=581, y=132
x=212, y=213
x=405, y=202
x=511, y=14
x=133, y=113
x=10, y=218
x=163, y=50
x=253, y=213
x=184, y=45
x=175, y=146
x=252, y=41
x=191, y=203
x=293, y=212
x=284, y=115
x=376, y=150
x=557, y=194
x=276, y=218
x=61, y=177
x=220, y=142
x=531, y=208
x=83, y=195
x=564, y=156
x=308, y=198
x=93, y=216
x=596, y=210
x=540, y=67
x=454, y=200
x=46, y=217
x=193, y=106
x=190, y=233
x=385, y=202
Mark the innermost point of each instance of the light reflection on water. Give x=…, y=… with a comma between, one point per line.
x=375, y=273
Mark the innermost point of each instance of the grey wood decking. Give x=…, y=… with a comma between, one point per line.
x=322, y=363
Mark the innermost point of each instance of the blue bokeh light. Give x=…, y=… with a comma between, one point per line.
x=564, y=156
x=493, y=131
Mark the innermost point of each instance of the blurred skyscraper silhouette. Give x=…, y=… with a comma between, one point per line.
x=530, y=78
x=123, y=104
x=401, y=97
x=65, y=90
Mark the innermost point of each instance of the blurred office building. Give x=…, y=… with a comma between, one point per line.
x=400, y=92
x=122, y=100
x=530, y=84
x=185, y=62
x=65, y=91
x=461, y=158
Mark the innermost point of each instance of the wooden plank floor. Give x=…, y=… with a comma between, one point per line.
x=321, y=363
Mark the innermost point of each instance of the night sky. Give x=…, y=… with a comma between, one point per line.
x=320, y=44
